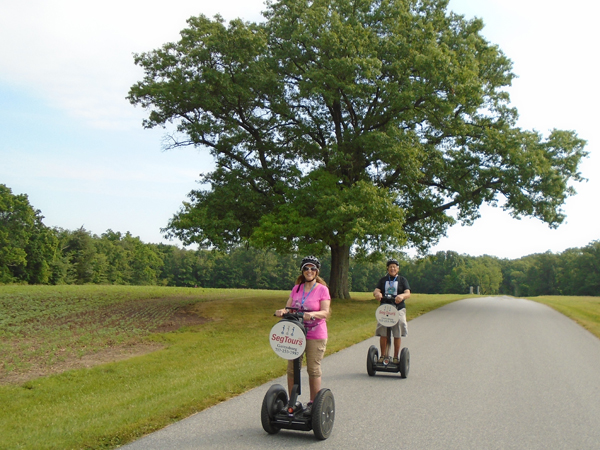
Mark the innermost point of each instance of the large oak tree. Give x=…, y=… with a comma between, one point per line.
x=350, y=126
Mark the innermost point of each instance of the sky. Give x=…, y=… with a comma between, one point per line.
x=71, y=141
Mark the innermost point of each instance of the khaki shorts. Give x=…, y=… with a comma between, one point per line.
x=398, y=330
x=315, y=350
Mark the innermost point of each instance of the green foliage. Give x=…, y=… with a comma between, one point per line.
x=36, y=254
x=349, y=127
x=484, y=272
x=112, y=258
x=32, y=253
x=580, y=272
x=574, y=272
x=439, y=273
x=364, y=275
x=27, y=246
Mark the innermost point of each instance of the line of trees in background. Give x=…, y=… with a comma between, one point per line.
x=33, y=253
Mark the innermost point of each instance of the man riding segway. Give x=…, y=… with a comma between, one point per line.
x=397, y=286
x=391, y=291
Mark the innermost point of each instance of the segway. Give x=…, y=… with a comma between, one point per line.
x=288, y=340
x=388, y=316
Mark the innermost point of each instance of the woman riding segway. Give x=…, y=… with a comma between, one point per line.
x=311, y=296
x=303, y=329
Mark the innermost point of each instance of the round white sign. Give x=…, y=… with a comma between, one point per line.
x=387, y=315
x=287, y=339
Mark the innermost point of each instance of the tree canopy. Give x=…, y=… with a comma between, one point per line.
x=356, y=126
x=32, y=253
x=26, y=244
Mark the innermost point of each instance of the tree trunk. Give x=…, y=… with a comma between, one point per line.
x=340, y=267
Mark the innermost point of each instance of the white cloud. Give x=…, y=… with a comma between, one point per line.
x=78, y=55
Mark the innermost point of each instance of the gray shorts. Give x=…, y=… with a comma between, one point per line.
x=398, y=330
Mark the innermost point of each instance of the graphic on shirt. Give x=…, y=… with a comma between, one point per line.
x=391, y=287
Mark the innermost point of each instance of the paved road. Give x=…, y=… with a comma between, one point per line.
x=489, y=373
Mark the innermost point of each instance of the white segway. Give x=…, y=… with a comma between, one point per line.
x=388, y=316
x=288, y=340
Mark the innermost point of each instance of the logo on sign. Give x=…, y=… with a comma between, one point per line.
x=287, y=340
x=387, y=315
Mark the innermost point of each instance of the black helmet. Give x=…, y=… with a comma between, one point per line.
x=392, y=261
x=310, y=260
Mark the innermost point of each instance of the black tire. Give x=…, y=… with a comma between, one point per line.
x=275, y=400
x=404, y=362
x=372, y=357
x=323, y=414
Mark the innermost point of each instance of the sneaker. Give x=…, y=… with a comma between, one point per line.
x=380, y=360
x=308, y=409
x=395, y=360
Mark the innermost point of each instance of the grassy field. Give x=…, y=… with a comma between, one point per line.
x=94, y=367
x=584, y=310
x=198, y=347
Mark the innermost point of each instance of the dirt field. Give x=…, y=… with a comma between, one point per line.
x=52, y=346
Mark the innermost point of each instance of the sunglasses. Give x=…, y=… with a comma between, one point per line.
x=312, y=269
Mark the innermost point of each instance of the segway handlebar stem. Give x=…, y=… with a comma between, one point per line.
x=388, y=299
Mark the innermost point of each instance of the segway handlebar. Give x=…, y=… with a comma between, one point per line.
x=388, y=299
x=293, y=314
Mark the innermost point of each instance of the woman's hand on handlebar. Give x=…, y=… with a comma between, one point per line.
x=286, y=310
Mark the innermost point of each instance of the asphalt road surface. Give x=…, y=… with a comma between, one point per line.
x=487, y=373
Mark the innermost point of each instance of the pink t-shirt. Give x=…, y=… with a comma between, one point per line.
x=311, y=302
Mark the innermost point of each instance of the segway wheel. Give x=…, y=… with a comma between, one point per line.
x=372, y=357
x=323, y=414
x=274, y=401
x=404, y=362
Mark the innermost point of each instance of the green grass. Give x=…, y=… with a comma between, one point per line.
x=44, y=325
x=584, y=310
x=198, y=366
